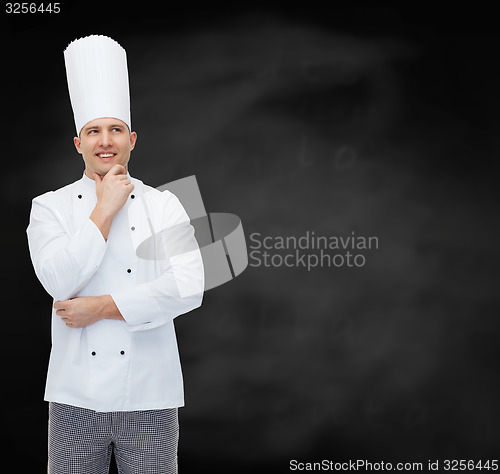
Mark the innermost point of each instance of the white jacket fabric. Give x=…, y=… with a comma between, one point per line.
x=152, y=268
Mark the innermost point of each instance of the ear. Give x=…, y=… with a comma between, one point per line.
x=133, y=139
x=77, y=143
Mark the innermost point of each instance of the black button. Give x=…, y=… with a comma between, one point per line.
x=93, y=353
x=132, y=196
x=132, y=228
x=122, y=352
x=129, y=270
x=79, y=196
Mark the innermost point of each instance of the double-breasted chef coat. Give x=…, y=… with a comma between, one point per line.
x=116, y=365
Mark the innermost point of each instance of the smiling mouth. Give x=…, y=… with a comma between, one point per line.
x=106, y=156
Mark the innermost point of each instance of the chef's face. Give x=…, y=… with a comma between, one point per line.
x=105, y=142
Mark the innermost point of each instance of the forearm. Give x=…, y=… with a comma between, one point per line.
x=161, y=300
x=107, y=308
x=102, y=220
x=86, y=310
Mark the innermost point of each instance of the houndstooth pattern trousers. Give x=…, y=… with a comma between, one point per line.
x=81, y=441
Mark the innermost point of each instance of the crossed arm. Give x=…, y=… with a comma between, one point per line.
x=86, y=310
x=65, y=263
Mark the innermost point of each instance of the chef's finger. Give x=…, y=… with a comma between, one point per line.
x=97, y=179
x=117, y=169
x=60, y=304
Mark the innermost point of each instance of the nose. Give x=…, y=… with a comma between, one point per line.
x=105, y=139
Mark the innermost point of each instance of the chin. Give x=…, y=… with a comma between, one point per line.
x=103, y=169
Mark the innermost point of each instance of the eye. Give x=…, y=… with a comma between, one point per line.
x=116, y=129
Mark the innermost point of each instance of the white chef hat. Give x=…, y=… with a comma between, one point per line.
x=96, y=68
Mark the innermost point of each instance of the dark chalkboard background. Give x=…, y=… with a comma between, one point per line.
x=382, y=122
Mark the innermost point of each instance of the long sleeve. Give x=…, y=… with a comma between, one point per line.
x=179, y=286
x=154, y=303
x=63, y=263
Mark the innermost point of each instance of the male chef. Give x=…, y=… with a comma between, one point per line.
x=121, y=262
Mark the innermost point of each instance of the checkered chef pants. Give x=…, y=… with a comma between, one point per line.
x=81, y=441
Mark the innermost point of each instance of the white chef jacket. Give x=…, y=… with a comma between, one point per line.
x=116, y=365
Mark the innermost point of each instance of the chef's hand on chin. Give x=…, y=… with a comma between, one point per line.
x=112, y=193
x=113, y=190
x=79, y=312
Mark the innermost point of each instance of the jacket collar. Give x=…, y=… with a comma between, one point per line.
x=87, y=182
